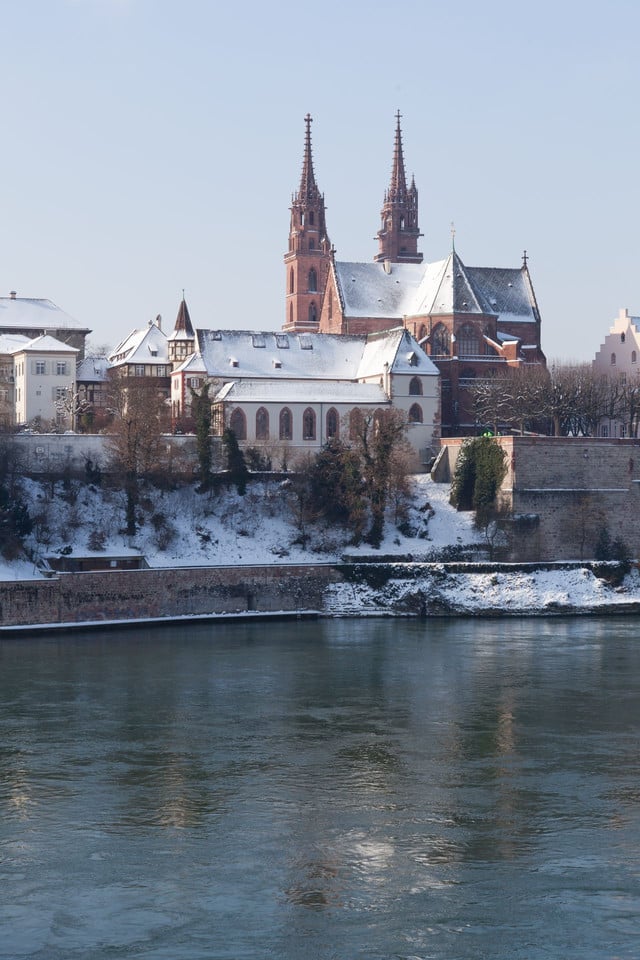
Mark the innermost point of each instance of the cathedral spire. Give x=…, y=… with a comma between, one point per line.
x=399, y=231
x=308, y=188
x=397, y=191
x=309, y=255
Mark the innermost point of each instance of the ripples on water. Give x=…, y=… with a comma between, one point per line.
x=380, y=789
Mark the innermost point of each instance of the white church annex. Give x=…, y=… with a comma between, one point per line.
x=296, y=391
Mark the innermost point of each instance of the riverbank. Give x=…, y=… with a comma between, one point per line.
x=106, y=599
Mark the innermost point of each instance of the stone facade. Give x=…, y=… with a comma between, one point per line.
x=562, y=492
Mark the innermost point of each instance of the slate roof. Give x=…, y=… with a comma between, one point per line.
x=25, y=313
x=442, y=287
x=92, y=369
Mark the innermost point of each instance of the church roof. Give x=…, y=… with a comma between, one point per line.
x=442, y=287
x=27, y=313
x=298, y=391
x=319, y=356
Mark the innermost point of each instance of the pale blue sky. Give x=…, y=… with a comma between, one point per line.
x=151, y=145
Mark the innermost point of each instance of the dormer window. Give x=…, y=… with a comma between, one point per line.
x=412, y=359
x=233, y=362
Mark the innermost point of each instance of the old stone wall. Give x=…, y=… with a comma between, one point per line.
x=141, y=594
x=563, y=492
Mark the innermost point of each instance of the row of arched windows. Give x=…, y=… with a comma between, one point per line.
x=470, y=342
x=634, y=358
x=238, y=423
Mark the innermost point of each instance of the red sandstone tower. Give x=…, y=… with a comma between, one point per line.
x=398, y=235
x=308, y=258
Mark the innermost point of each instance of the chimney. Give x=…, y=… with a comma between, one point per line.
x=13, y=294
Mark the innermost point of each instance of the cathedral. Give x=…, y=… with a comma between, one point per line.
x=472, y=321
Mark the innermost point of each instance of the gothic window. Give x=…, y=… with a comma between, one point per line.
x=415, y=413
x=290, y=313
x=634, y=356
x=291, y=282
x=262, y=424
x=613, y=359
x=468, y=341
x=422, y=334
x=313, y=313
x=355, y=422
x=312, y=243
x=330, y=304
x=332, y=423
x=286, y=432
x=313, y=281
x=238, y=423
x=308, y=424
x=415, y=387
x=311, y=218
x=440, y=341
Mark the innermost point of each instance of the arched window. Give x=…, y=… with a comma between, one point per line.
x=330, y=304
x=468, y=341
x=440, y=341
x=238, y=423
x=313, y=313
x=262, y=424
x=622, y=337
x=415, y=387
x=286, y=423
x=355, y=423
x=290, y=313
x=613, y=359
x=415, y=413
x=308, y=424
x=422, y=334
x=312, y=243
x=634, y=356
x=333, y=423
x=313, y=281
x=310, y=218
x=291, y=281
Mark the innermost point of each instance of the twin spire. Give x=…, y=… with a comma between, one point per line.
x=308, y=187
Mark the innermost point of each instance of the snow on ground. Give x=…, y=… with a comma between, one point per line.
x=185, y=528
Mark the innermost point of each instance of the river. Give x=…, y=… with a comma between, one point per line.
x=332, y=790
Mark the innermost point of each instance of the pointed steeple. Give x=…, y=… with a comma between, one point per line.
x=182, y=338
x=309, y=255
x=183, y=321
x=397, y=192
x=399, y=232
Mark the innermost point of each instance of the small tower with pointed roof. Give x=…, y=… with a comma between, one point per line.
x=399, y=231
x=182, y=338
x=308, y=258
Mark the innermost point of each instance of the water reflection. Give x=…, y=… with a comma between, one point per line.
x=356, y=789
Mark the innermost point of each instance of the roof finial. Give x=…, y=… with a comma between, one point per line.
x=525, y=259
x=398, y=187
x=308, y=188
x=453, y=237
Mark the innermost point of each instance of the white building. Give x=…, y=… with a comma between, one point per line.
x=619, y=356
x=296, y=391
x=36, y=374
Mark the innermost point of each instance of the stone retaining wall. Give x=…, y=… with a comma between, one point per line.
x=143, y=594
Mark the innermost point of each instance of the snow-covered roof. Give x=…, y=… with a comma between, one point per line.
x=92, y=368
x=193, y=364
x=248, y=354
x=300, y=391
x=147, y=346
x=439, y=288
x=44, y=344
x=36, y=314
x=10, y=342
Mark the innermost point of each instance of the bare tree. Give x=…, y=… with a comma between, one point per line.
x=140, y=416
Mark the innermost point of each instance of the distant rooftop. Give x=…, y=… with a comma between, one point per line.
x=29, y=313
